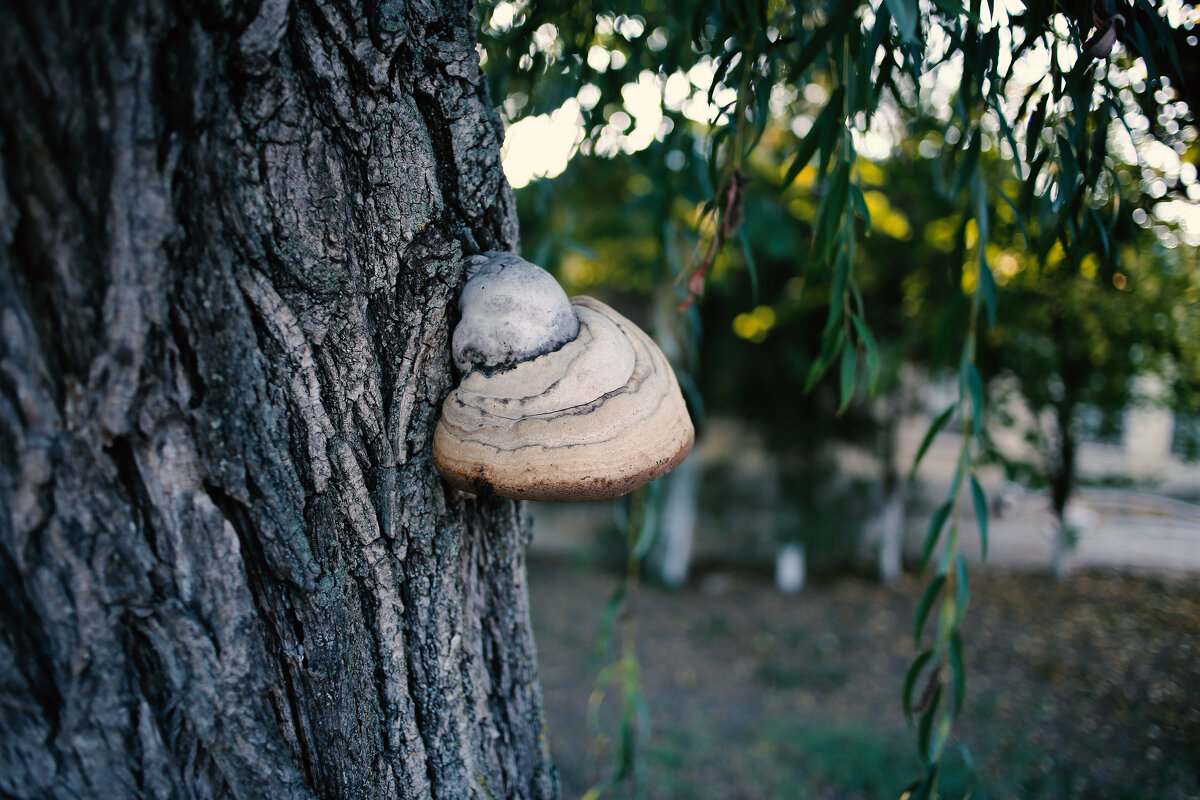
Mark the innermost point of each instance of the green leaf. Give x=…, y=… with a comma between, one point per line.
x=935, y=532
x=927, y=597
x=832, y=134
x=1029, y=189
x=812, y=140
x=910, y=681
x=987, y=281
x=814, y=46
x=837, y=293
x=860, y=205
x=714, y=146
x=838, y=225
x=906, y=13
x=864, y=100
x=1096, y=152
x=849, y=377
x=830, y=347
x=933, y=431
x=872, y=351
x=926, y=726
x=981, y=514
x=648, y=520
x=1162, y=33
x=1005, y=129
x=958, y=671
x=722, y=69
x=1138, y=34
x=925, y=790
x=1033, y=130
x=963, y=595
x=987, y=286
x=1068, y=179
x=1101, y=228
x=830, y=214
x=975, y=385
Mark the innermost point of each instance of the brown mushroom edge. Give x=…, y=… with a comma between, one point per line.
x=481, y=480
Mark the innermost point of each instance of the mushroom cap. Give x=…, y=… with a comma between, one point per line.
x=512, y=311
x=593, y=419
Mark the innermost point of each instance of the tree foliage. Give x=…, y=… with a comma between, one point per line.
x=1029, y=149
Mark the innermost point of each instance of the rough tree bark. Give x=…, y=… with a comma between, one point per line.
x=231, y=239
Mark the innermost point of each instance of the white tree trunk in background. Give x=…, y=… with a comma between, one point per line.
x=891, y=535
x=791, y=569
x=668, y=560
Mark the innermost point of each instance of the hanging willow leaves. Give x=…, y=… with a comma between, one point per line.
x=1035, y=155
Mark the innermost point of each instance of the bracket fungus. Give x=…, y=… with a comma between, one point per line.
x=559, y=399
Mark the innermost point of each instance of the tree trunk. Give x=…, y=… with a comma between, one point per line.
x=891, y=535
x=895, y=488
x=669, y=557
x=1062, y=484
x=231, y=243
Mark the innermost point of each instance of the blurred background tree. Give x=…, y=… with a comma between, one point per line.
x=1004, y=195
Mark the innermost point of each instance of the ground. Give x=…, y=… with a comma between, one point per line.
x=1089, y=689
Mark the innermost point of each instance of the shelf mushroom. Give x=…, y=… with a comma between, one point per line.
x=559, y=399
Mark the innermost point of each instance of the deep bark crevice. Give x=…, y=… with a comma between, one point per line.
x=286, y=654
x=31, y=651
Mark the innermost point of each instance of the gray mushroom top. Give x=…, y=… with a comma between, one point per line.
x=512, y=311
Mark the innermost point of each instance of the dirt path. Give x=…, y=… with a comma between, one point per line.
x=1087, y=690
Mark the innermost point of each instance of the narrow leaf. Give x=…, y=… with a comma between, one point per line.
x=987, y=286
x=830, y=348
x=860, y=205
x=981, y=514
x=837, y=293
x=872, y=351
x=955, y=9
x=975, y=384
x=925, y=790
x=963, y=595
x=930, y=594
x=849, y=377
x=812, y=140
x=832, y=134
x=958, y=671
x=813, y=47
x=933, y=431
x=864, y=100
x=910, y=681
x=926, y=726
x=648, y=524
x=1033, y=130
x=906, y=13
x=935, y=531
x=1162, y=34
